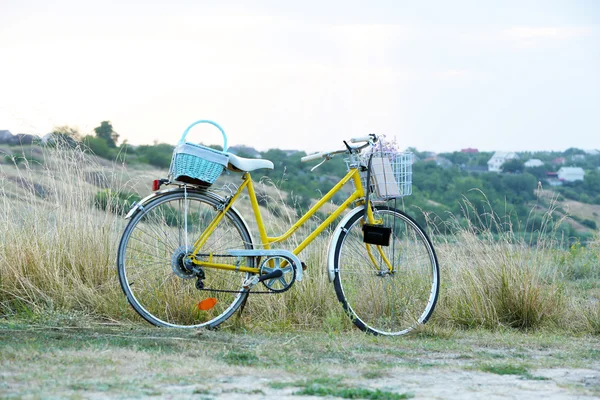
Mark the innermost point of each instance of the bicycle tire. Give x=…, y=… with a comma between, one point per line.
x=383, y=303
x=155, y=284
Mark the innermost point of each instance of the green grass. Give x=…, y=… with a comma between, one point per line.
x=240, y=358
x=332, y=387
x=510, y=369
x=351, y=393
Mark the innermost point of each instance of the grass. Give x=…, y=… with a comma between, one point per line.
x=57, y=257
x=52, y=359
x=240, y=358
x=351, y=393
x=510, y=369
x=329, y=387
x=493, y=278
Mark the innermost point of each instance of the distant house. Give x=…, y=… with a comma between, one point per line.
x=24, y=138
x=559, y=161
x=592, y=152
x=499, y=158
x=443, y=162
x=20, y=138
x=48, y=137
x=439, y=161
x=552, y=179
x=578, y=157
x=570, y=174
x=5, y=136
x=534, y=162
x=469, y=150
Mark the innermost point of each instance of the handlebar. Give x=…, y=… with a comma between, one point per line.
x=370, y=139
x=315, y=156
x=367, y=138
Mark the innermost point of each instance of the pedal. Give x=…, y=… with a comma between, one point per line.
x=251, y=282
x=271, y=253
x=254, y=280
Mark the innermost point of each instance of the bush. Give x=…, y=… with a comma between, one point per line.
x=158, y=155
x=99, y=147
x=589, y=223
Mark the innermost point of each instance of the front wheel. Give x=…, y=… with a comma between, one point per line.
x=386, y=290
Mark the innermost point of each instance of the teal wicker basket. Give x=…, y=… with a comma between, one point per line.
x=196, y=164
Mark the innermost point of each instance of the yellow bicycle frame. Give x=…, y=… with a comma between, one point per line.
x=266, y=240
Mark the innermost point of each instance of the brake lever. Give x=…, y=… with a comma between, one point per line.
x=327, y=158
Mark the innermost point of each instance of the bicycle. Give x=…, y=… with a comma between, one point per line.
x=187, y=258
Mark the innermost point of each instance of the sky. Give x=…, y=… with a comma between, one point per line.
x=436, y=75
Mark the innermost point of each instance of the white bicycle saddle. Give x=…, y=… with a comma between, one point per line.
x=247, y=164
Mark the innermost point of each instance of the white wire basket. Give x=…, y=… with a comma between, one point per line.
x=391, y=174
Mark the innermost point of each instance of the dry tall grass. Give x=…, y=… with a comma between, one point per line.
x=492, y=277
x=57, y=252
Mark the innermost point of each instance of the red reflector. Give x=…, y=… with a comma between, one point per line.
x=207, y=304
x=155, y=185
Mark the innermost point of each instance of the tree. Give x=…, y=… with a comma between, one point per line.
x=105, y=131
x=67, y=131
x=158, y=155
x=591, y=183
x=64, y=135
x=98, y=146
x=541, y=172
x=457, y=157
x=573, y=151
x=513, y=165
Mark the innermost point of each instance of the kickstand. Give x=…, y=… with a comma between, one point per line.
x=243, y=305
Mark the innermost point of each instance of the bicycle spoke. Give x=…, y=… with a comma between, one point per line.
x=148, y=255
x=381, y=302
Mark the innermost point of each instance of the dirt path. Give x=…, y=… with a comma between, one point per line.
x=134, y=362
x=432, y=384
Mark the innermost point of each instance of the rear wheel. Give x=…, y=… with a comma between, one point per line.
x=160, y=282
x=386, y=290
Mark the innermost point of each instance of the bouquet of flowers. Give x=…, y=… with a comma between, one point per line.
x=391, y=170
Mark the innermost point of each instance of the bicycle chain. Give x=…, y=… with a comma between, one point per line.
x=238, y=291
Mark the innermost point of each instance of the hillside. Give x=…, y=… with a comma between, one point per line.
x=440, y=188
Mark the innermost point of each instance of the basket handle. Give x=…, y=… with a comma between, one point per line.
x=204, y=121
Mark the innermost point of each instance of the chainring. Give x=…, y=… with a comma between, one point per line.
x=284, y=282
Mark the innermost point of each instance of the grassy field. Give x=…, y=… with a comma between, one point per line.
x=512, y=316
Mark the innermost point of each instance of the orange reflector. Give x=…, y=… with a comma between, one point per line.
x=207, y=304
